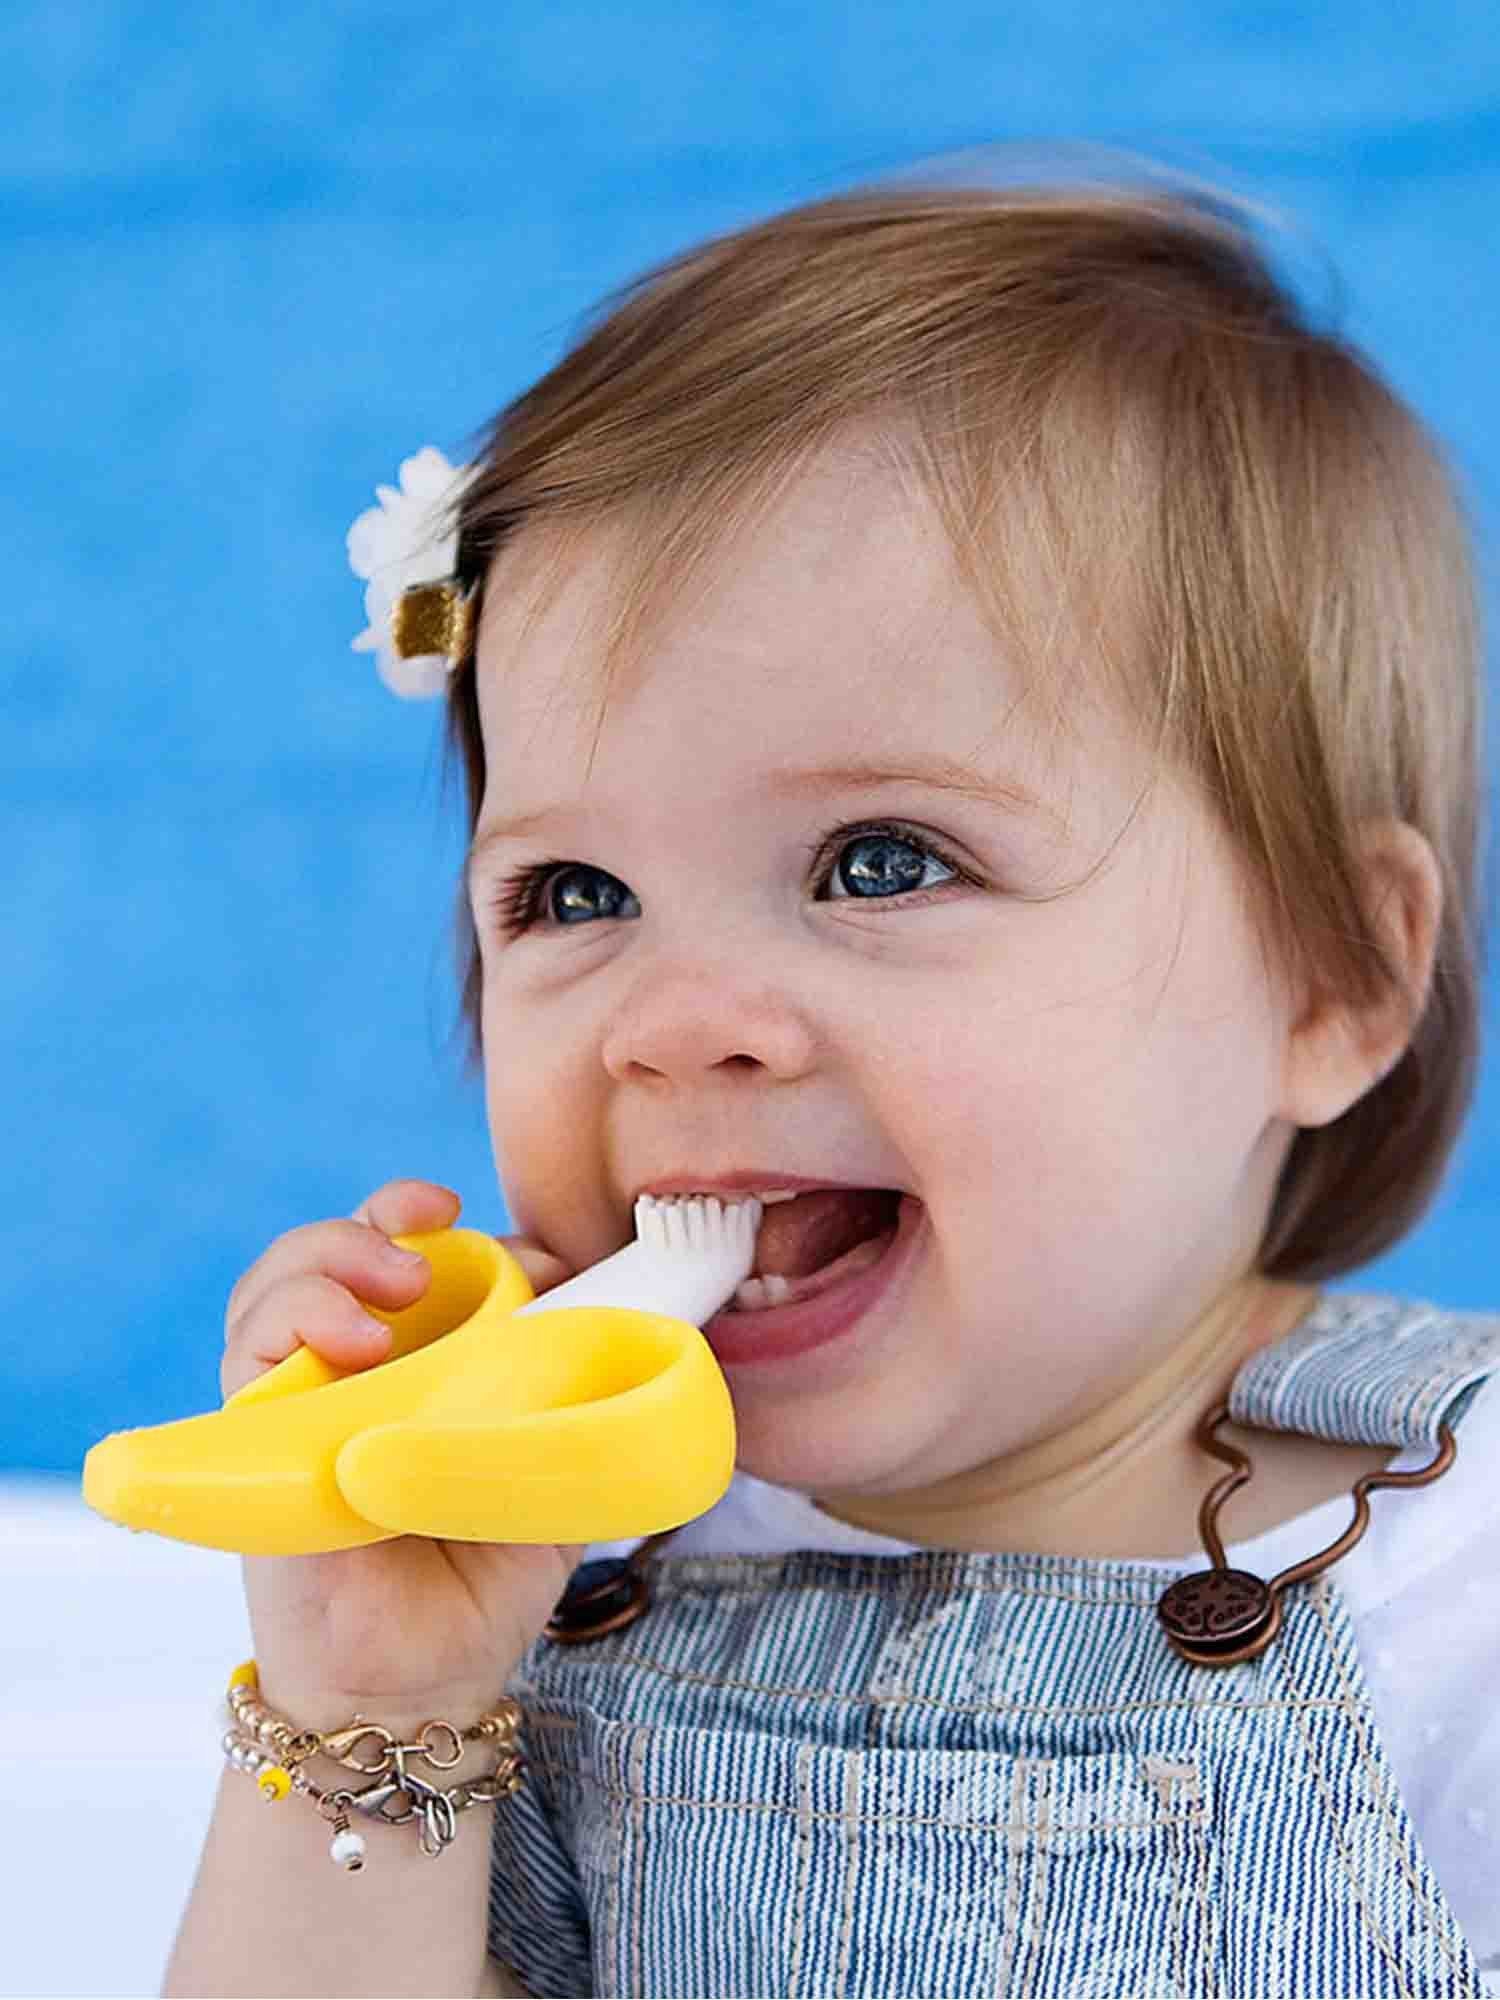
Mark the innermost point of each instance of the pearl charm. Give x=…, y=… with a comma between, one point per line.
x=348, y=1850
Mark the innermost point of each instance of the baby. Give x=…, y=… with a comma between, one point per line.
x=969, y=709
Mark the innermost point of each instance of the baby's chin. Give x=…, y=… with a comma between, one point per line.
x=849, y=1456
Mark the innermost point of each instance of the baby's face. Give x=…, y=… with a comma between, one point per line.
x=754, y=964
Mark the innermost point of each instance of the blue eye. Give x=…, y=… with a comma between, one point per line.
x=870, y=864
x=884, y=861
x=573, y=893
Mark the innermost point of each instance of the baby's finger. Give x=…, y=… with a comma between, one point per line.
x=306, y=1311
x=402, y=1208
x=543, y=1269
x=356, y=1254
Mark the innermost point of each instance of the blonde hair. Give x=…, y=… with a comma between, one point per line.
x=1263, y=544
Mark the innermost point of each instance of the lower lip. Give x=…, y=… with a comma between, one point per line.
x=778, y=1333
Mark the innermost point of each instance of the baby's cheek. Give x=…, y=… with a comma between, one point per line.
x=530, y=1115
x=548, y=1131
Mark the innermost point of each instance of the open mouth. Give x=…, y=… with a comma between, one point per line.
x=806, y=1245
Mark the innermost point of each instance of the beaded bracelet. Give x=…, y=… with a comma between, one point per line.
x=278, y=1768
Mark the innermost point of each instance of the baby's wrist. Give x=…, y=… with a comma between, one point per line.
x=367, y=1768
x=308, y=1705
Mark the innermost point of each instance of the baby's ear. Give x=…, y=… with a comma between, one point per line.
x=1337, y=1050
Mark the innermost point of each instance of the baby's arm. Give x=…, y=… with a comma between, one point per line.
x=269, y=1914
x=400, y=1631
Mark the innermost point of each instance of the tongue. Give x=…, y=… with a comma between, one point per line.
x=801, y=1236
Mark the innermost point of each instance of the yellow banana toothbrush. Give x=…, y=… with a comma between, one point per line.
x=594, y=1413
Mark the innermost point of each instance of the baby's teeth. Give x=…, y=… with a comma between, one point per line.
x=726, y=1201
x=770, y=1290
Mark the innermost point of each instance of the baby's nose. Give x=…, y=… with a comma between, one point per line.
x=684, y=1019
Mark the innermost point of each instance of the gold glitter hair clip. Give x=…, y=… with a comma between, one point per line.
x=421, y=624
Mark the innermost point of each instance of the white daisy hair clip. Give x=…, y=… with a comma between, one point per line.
x=420, y=623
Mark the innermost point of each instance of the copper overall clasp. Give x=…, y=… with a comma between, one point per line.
x=604, y=1596
x=1220, y=1616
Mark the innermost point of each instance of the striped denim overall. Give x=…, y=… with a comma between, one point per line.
x=954, y=1774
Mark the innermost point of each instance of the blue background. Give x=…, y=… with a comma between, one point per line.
x=253, y=256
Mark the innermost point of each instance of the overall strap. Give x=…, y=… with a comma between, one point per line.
x=1367, y=1369
x=1362, y=1368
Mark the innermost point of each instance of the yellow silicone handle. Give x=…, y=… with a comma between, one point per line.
x=586, y=1424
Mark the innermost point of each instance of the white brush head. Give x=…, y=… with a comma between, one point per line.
x=699, y=1225
x=689, y=1255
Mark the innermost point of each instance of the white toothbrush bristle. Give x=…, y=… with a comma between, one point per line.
x=687, y=1256
x=696, y=1225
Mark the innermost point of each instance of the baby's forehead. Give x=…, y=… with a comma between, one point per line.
x=829, y=515
x=850, y=559
x=777, y=721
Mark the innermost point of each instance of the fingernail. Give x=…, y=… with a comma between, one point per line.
x=408, y=1259
x=367, y=1324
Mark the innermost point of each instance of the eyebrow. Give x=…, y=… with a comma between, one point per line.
x=944, y=774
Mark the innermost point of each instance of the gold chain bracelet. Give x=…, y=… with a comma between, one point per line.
x=273, y=1751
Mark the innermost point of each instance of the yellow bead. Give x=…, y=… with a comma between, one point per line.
x=274, y=1782
x=245, y=1676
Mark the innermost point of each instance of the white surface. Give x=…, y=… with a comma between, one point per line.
x=115, y=1650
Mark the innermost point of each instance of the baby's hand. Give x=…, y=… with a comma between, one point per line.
x=403, y=1628
x=307, y=1288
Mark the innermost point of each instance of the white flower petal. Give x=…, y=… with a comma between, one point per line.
x=416, y=679
x=365, y=541
x=427, y=475
x=410, y=538
x=427, y=536
x=421, y=566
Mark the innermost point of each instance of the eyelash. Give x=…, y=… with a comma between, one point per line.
x=518, y=899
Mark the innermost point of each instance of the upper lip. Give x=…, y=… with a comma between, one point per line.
x=744, y=1182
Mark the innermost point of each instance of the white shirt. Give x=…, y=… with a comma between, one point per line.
x=1422, y=1587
